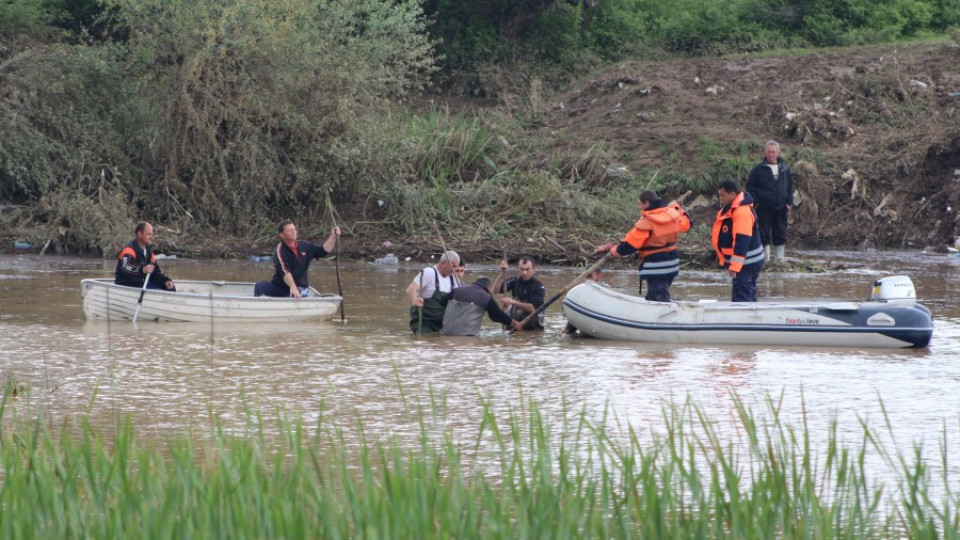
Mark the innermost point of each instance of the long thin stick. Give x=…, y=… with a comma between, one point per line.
x=442, y=244
x=336, y=262
x=569, y=286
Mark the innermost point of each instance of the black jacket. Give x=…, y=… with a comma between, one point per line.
x=130, y=263
x=768, y=192
x=297, y=263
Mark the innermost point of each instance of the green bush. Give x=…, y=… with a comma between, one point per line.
x=23, y=15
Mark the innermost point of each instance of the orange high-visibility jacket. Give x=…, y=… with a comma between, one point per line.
x=658, y=230
x=735, y=235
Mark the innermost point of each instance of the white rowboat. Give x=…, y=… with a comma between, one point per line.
x=200, y=301
x=892, y=318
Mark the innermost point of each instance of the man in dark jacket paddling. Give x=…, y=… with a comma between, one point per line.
x=136, y=262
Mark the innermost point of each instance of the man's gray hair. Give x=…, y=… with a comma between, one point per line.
x=452, y=256
x=772, y=142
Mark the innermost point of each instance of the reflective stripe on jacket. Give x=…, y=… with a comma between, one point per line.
x=654, y=239
x=130, y=263
x=735, y=235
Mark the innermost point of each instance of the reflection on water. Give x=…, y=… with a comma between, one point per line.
x=169, y=377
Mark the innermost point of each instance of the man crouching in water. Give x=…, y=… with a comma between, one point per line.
x=466, y=306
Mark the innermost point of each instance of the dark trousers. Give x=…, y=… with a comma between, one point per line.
x=773, y=225
x=267, y=288
x=658, y=289
x=745, y=284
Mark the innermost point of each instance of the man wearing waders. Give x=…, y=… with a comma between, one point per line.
x=428, y=292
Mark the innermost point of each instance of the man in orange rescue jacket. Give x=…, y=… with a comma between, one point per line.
x=136, y=262
x=654, y=239
x=736, y=239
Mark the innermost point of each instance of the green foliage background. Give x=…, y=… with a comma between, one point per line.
x=231, y=115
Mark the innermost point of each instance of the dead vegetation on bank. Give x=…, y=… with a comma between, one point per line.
x=875, y=157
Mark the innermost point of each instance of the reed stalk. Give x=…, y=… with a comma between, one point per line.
x=520, y=477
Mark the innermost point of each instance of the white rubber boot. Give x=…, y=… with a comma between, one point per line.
x=778, y=253
x=766, y=253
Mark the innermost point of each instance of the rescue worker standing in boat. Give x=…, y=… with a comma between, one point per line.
x=736, y=240
x=136, y=262
x=654, y=239
x=466, y=306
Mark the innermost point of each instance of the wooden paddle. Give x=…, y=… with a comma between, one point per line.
x=569, y=286
x=136, y=312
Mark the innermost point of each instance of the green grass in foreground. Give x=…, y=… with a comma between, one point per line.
x=519, y=478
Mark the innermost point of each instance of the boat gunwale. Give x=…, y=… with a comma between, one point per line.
x=315, y=296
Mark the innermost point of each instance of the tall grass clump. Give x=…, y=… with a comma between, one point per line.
x=518, y=476
x=207, y=115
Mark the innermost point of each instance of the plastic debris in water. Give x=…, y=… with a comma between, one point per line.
x=389, y=259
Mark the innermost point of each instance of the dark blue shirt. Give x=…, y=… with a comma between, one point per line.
x=295, y=262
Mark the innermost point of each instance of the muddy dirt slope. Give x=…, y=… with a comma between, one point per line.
x=872, y=134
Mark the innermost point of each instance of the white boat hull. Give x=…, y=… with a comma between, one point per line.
x=607, y=314
x=200, y=301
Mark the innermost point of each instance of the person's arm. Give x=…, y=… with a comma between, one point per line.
x=528, y=307
x=497, y=315
x=788, y=180
x=331, y=241
x=413, y=290
x=159, y=278
x=751, y=185
x=294, y=290
x=525, y=307
x=742, y=233
x=497, y=286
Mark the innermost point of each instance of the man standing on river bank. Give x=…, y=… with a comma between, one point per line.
x=771, y=186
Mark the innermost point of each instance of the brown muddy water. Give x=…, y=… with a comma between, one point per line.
x=169, y=377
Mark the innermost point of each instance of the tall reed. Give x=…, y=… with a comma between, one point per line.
x=520, y=476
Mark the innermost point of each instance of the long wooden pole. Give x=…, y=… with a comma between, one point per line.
x=443, y=245
x=336, y=262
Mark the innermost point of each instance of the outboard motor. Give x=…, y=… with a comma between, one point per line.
x=895, y=290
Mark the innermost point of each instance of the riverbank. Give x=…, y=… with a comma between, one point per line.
x=870, y=133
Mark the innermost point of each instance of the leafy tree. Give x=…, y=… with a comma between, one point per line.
x=261, y=102
x=23, y=15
